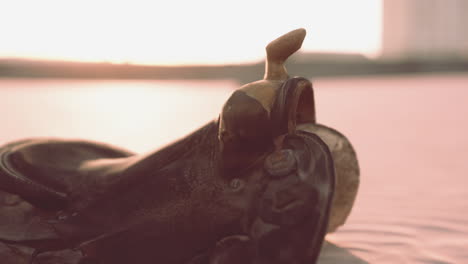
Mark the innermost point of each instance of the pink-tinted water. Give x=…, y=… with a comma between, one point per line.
x=410, y=133
x=411, y=136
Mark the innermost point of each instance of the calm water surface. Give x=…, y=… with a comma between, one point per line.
x=410, y=133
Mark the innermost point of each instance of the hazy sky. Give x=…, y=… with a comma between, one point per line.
x=179, y=32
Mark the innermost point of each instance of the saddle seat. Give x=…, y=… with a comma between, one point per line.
x=48, y=172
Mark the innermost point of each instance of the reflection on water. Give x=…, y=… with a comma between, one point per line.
x=139, y=115
x=410, y=134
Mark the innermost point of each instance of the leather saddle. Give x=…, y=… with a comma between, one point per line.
x=248, y=188
x=57, y=175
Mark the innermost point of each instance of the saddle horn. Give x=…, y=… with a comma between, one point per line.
x=279, y=50
x=260, y=111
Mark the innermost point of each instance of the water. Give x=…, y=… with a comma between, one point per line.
x=138, y=115
x=410, y=133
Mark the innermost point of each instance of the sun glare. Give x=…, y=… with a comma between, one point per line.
x=182, y=32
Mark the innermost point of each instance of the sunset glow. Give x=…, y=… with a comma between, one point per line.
x=182, y=32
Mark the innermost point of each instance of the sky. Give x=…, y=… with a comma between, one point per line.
x=178, y=32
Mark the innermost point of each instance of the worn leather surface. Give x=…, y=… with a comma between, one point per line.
x=185, y=206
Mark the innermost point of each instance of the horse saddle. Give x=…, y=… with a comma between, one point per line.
x=54, y=175
x=256, y=186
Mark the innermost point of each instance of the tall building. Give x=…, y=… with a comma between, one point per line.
x=425, y=28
